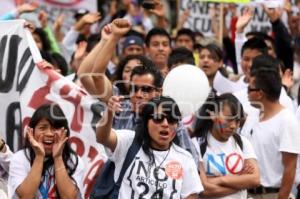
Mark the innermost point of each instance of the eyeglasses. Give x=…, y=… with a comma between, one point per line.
x=253, y=89
x=144, y=89
x=159, y=118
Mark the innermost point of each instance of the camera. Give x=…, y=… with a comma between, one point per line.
x=148, y=4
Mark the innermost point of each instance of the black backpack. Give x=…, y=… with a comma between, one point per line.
x=106, y=187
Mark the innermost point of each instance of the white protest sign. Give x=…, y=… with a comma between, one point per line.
x=24, y=86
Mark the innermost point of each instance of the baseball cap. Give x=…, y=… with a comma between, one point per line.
x=133, y=40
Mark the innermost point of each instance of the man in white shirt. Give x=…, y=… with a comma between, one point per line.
x=274, y=135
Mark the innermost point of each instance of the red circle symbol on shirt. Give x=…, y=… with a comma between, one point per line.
x=174, y=170
x=64, y=2
x=234, y=163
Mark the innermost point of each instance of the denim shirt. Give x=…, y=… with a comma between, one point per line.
x=127, y=119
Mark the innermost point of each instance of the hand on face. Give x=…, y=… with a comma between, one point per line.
x=60, y=138
x=36, y=144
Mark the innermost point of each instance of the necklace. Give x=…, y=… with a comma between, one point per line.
x=158, y=192
x=159, y=166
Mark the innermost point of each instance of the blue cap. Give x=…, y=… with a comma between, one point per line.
x=133, y=40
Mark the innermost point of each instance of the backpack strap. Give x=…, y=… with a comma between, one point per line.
x=131, y=153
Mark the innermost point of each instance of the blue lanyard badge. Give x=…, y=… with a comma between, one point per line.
x=45, y=185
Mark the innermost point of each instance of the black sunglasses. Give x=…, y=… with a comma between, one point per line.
x=159, y=118
x=144, y=89
x=253, y=89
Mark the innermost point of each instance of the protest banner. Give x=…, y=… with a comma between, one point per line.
x=200, y=21
x=24, y=86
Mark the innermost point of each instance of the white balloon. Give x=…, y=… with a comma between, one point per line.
x=188, y=86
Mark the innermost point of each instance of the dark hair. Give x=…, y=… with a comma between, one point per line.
x=134, y=33
x=255, y=44
x=56, y=60
x=143, y=70
x=265, y=61
x=186, y=31
x=80, y=38
x=217, y=55
x=92, y=41
x=47, y=56
x=204, y=123
x=169, y=107
x=215, y=50
x=261, y=35
x=55, y=116
x=61, y=63
x=120, y=68
x=180, y=56
x=156, y=31
x=267, y=77
x=44, y=39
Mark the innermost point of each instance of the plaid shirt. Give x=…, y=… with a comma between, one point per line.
x=127, y=119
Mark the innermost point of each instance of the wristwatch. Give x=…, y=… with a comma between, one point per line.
x=2, y=145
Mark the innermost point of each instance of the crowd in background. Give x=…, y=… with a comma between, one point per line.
x=244, y=142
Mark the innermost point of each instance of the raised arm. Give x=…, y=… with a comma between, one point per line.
x=104, y=133
x=43, y=18
x=27, y=7
x=283, y=39
x=159, y=11
x=118, y=28
x=69, y=41
x=240, y=38
x=85, y=70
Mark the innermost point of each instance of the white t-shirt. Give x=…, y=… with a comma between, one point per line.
x=176, y=171
x=297, y=178
x=20, y=168
x=270, y=138
x=224, y=85
x=227, y=158
x=242, y=96
x=298, y=113
x=239, y=89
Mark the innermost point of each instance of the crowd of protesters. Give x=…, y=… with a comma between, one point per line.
x=244, y=142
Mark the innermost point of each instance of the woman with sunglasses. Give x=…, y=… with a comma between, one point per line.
x=161, y=169
x=47, y=167
x=227, y=160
